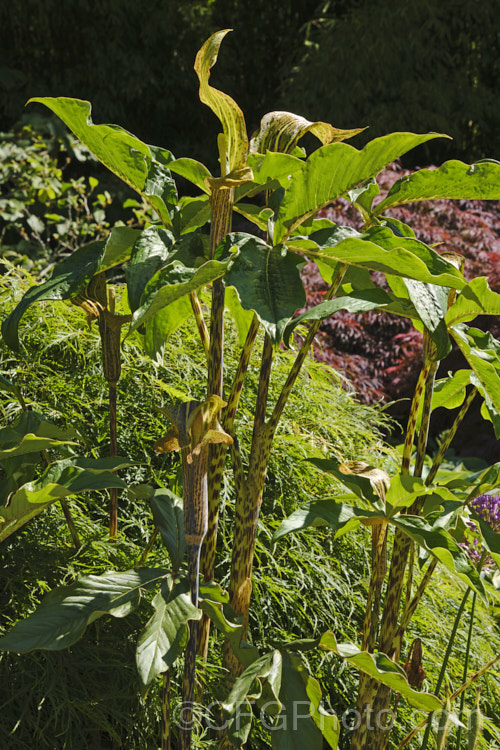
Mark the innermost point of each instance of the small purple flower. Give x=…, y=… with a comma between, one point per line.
x=487, y=507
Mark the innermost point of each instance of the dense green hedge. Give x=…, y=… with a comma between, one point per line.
x=418, y=66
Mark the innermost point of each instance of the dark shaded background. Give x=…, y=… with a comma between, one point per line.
x=393, y=66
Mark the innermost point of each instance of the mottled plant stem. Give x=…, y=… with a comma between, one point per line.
x=113, y=451
x=249, y=496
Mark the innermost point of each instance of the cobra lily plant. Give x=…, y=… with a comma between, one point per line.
x=188, y=253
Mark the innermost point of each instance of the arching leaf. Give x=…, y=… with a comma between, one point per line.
x=357, y=302
x=68, y=278
x=167, y=515
x=453, y=179
x=337, y=515
x=333, y=170
x=378, y=249
x=61, y=479
x=443, y=547
x=474, y=299
x=149, y=253
x=64, y=614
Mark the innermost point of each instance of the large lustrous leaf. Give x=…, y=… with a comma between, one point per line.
x=31, y=433
x=162, y=325
x=448, y=393
x=119, y=246
x=453, y=179
x=443, y=547
x=149, y=253
x=248, y=687
x=68, y=278
x=281, y=131
x=334, y=169
x=192, y=170
x=173, y=282
x=337, y=515
x=267, y=280
x=270, y=171
x=167, y=515
x=482, y=352
x=165, y=635
x=222, y=105
x=297, y=724
x=356, y=302
x=378, y=249
x=65, y=613
x=358, y=478
x=431, y=303
x=474, y=299
x=61, y=479
x=381, y=668
x=117, y=149
x=142, y=167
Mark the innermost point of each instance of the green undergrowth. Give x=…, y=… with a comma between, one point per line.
x=303, y=586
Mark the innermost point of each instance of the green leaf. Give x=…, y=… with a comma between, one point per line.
x=382, y=669
x=214, y=602
x=61, y=479
x=165, y=636
x=242, y=318
x=453, y=179
x=6, y=385
x=222, y=105
x=31, y=433
x=378, y=249
x=448, y=393
x=64, y=614
x=474, y=299
x=68, y=279
x=192, y=170
x=333, y=170
x=117, y=149
x=193, y=213
x=281, y=131
x=337, y=515
x=149, y=253
x=267, y=280
x=295, y=728
x=404, y=490
x=357, y=302
x=162, y=325
x=443, y=547
x=482, y=352
x=270, y=171
x=167, y=515
x=431, y=304
x=248, y=687
x=173, y=282
x=119, y=246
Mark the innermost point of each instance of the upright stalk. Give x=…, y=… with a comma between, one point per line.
x=466, y=666
x=221, y=204
x=251, y=487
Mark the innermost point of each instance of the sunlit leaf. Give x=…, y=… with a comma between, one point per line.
x=453, y=179
x=167, y=515
x=333, y=170
x=165, y=635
